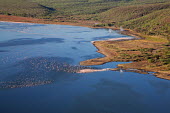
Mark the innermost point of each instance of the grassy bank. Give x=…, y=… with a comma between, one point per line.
x=149, y=55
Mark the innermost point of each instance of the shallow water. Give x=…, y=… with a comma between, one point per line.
x=37, y=74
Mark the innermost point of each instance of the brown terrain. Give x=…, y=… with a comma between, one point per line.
x=129, y=50
x=116, y=49
x=46, y=21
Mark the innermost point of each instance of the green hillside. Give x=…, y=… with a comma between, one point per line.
x=24, y=8
x=76, y=7
x=37, y=8
x=151, y=17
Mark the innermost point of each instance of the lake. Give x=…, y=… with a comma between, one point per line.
x=38, y=65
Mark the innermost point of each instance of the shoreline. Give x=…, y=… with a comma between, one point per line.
x=139, y=66
x=99, y=45
x=89, y=24
x=18, y=19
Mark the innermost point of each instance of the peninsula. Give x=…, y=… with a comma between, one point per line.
x=148, y=21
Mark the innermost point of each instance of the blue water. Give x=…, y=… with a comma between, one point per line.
x=36, y=74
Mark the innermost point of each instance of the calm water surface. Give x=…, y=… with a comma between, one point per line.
x=37, y=74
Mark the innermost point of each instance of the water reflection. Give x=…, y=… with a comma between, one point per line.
x=92, y=56
x=64, y=90
x=79, y=31
x=4, y=51
x=160, y=86
x=110, y=37
x=41, y=70
x=74, y=48
x=110, y=97
x=30, y=41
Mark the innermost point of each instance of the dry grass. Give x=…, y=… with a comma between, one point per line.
x=132, y=50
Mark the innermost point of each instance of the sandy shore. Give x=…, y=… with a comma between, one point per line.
x=92, y=70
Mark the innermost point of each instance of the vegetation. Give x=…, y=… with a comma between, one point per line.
x=149, y=18
x=146, y=55
x=24, y=8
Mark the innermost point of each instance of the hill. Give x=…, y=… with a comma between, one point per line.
x=149, y=19
x=24, y=8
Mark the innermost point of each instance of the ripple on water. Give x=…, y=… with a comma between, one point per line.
x=41, y=70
